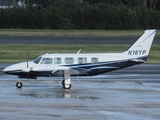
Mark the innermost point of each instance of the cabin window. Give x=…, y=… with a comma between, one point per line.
x=46, y=61
x=37, y=60
x=69, y=60
x=82, y=60
x=57, y=60
x=94, y=60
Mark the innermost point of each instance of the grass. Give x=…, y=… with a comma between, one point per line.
x=28, y=32
x=21, y=52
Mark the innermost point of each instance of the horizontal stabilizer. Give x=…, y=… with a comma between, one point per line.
x=137, y=60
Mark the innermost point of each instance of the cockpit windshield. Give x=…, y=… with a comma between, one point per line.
x=46, y=61
x=37, y=60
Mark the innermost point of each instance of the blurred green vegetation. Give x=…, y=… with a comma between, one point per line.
x=73, y=14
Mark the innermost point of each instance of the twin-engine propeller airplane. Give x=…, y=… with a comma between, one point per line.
x=67, y=65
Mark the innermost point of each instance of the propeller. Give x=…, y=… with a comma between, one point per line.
x=27, y=72
x=26, y=69
x=27, y=63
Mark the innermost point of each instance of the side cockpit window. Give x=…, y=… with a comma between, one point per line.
x=37, y=60
x=46, y=61
x=94, y=60
x=57, y=60
x=69, y=60
x=82, y=60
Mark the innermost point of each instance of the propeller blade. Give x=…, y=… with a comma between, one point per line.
x=27, y=72
x=27, y=63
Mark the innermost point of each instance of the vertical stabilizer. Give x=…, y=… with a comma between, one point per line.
x=142, y=46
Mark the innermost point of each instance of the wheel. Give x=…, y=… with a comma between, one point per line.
x=67, y=86
x=63, y=83
x=19, y=84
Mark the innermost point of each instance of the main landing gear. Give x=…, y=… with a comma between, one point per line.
x=66, y=86
x=66, y=83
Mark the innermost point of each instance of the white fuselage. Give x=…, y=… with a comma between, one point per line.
x=50, y=64
x=89, y=64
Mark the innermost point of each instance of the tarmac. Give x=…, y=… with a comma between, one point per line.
x=128, y=94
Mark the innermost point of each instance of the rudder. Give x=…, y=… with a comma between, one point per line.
x=142, y=46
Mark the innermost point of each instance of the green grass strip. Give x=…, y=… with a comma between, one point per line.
x=21, y=52
x=28, y=32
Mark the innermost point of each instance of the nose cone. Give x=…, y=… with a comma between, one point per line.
x=8, y=69
x=5, y=70
x=11, y=69
x=15, y=69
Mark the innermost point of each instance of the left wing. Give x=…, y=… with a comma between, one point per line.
x=52, y=69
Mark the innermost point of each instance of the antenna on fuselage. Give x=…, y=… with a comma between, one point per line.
x=79, y=51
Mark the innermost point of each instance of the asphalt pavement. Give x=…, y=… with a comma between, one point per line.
x=130, y=93
x=71, y=40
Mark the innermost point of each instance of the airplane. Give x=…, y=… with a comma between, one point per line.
x=89, y=64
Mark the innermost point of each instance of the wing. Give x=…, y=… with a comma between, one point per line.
x=73, y=71
x=53, y=70
x=56, y=70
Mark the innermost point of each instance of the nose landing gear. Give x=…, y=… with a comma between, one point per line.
x=19, y=84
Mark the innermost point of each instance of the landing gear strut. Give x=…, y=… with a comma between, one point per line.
x=66, y=83
x=19, y=84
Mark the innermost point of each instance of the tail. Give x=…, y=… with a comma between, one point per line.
x=141, y=47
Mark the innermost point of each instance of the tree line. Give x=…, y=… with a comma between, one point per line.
x=82, y=14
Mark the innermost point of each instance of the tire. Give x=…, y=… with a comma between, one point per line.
x=19, y=85
x=67, y=87
x=63, y=83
